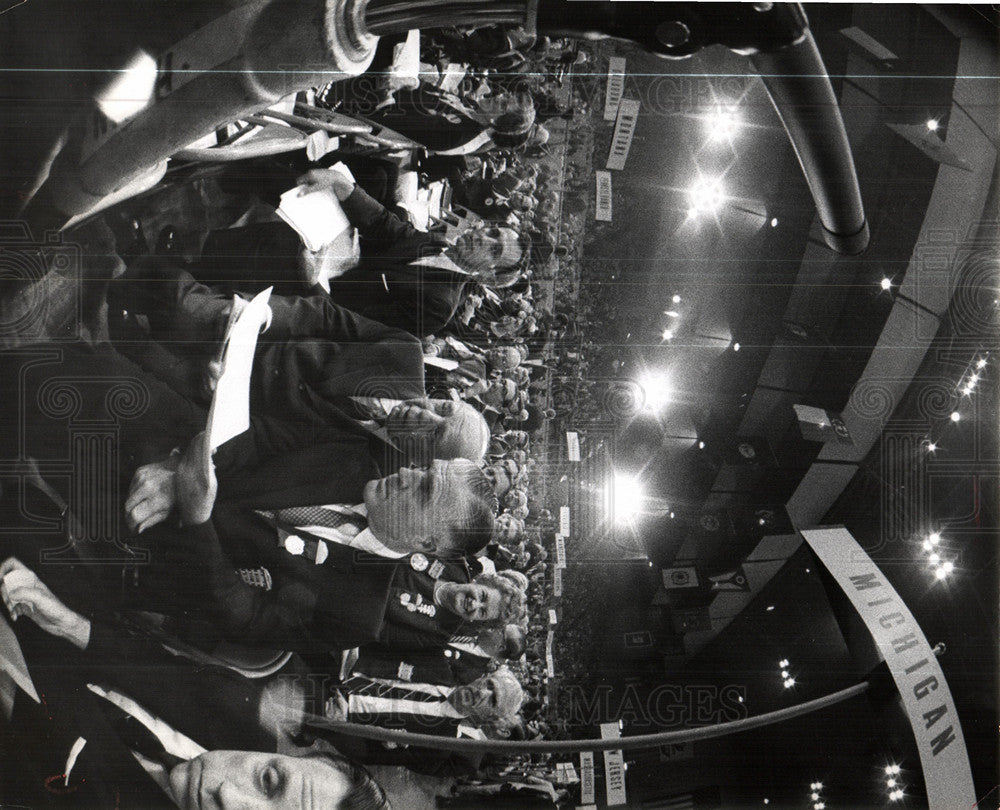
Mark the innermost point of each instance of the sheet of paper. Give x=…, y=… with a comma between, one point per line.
x=229, y=415
x=317, y=216
x=12, y=661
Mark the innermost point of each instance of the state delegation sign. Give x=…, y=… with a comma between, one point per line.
x=918, y=676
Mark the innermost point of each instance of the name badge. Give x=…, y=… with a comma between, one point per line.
x=436, y=569
x=419, y=562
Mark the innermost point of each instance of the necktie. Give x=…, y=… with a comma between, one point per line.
x=137, y=737
x=359, y=685
x=312, y=521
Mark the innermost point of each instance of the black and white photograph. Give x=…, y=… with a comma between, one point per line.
x=469, y=404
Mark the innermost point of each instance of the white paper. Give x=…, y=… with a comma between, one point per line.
x=229, y=415
x=12, y=661
x=317, y=217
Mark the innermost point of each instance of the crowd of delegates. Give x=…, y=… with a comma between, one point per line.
x=373, y=549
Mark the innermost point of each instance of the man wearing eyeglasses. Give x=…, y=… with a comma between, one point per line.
x=406, y=278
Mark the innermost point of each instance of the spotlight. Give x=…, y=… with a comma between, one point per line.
x=736, y=347
x=783, y=663
x=931, y=447
x=701, y=445
x=955, y=416
x=676, y=299
x=934, y=558
x=706, y=196
x=657, y=389
x=890, y=783
x=934, y=538
x=814, y=796
x=668, y=334
x=981, y=363
x=672, y=313
x=968, y=389
x=722, y=125
x=784, y=673
x=940, y=573
x=948, y=567
x=627, y=498
x=927, y=545
x=789, y=683
x=885, y=283
x=932, y=125
x=774, y=222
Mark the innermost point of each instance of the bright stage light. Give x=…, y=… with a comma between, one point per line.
x=706, y=196
x=931, y=447
x=955, y=416
x=668, y=334
x=657, y=389
x=626, y=497
x=885, y=283
x=934, y=558
x=948, y=567
x=722, y=125
x=940, y=573
x=932, y=125
x=981, y=363
x=927, y=545
x=934, y=538
x=676, y=299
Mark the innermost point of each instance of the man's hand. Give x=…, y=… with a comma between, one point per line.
x=414, y=416
x=195, y=483
x=320, y=179
x=24, y=594
x=152, y=495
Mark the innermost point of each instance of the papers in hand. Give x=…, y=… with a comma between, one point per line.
x=317, y=216
x=12, y=663
x=229, y=415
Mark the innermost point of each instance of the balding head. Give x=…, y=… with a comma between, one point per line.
x=458, y=429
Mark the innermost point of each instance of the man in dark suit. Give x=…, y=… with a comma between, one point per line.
x=406, y=279
x=330, y=572
x=149, y=729
x=313, y=356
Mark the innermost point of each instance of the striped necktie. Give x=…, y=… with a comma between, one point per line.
x=359, y=685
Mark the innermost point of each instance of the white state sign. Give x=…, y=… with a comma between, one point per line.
x=628, y=114
x=614, y=767
x=602, y=210
x=587, y=777
x=925, y=693
x=616, y=86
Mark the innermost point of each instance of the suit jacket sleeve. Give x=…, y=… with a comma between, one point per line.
x=374, y=221
x=337, y=605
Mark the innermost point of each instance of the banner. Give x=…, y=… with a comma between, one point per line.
x=628, y=113
x=918, y=676
x=573, y=441
x=614, y=767
x=818, y=425
x=602, y=211
x=587, y=777
x=616, y=86
x=681, y=576
x=560, y=551
x=550, y=662
x=557, y=582
x=564, y=521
